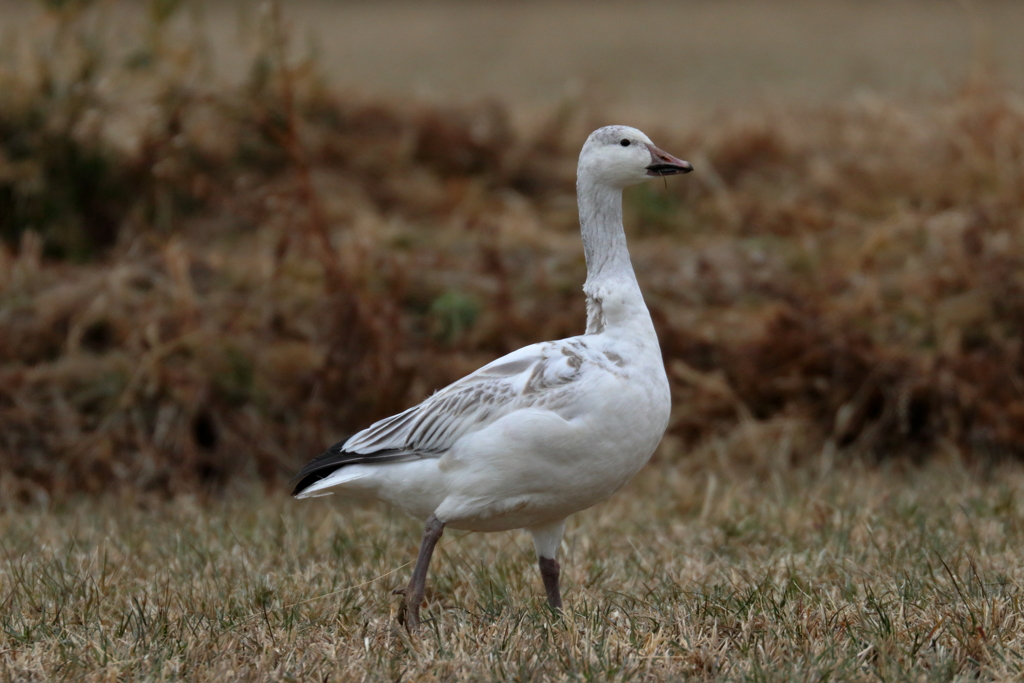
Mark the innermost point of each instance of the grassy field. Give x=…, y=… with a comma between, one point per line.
x=205, y=279
x=707, y=573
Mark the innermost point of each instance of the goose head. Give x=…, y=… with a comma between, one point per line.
x=619, y=156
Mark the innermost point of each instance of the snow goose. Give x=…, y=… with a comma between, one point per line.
x=546, y=431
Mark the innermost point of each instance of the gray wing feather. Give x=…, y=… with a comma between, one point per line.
x=522, y=379
x=431, y=427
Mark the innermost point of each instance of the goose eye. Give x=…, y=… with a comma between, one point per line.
x=624, y=142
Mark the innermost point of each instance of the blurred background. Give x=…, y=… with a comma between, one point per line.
x=235, y=232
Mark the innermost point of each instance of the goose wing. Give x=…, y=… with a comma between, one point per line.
x=523, y=379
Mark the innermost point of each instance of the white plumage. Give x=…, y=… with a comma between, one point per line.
x=546, y=431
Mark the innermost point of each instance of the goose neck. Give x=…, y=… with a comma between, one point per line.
x=604, y=241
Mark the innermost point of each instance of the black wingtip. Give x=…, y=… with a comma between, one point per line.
x=336, y=457
x=320, y=467
x=306, y=482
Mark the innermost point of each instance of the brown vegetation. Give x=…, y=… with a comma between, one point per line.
x=200, y=283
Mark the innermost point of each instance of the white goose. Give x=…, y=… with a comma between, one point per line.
x=546, y=431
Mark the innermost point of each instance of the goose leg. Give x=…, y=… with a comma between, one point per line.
x=546, y=540
x=549, y=570
x=409, y=613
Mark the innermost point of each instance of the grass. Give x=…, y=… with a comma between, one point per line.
x=704, y=573
x=202, y=284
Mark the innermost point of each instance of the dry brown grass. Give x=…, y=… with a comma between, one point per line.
x=203, y=283
x=694, y=571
